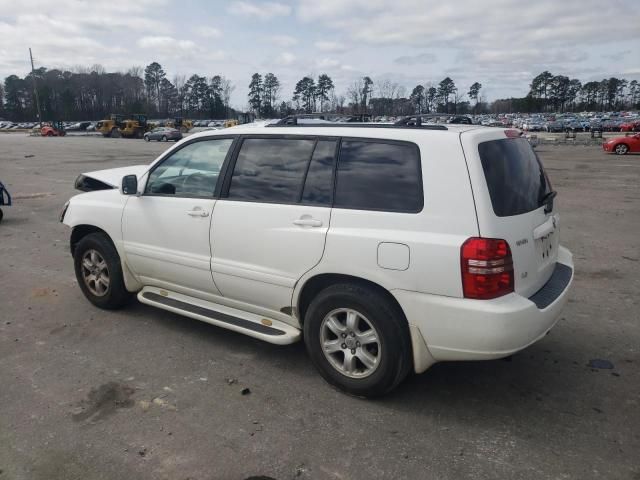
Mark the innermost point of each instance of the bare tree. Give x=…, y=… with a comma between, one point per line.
x=227, y=90
x=354, y=93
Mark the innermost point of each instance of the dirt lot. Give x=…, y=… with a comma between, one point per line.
x=145, y=394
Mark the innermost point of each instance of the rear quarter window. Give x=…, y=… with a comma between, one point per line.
x=377, y=175
x=515, y=176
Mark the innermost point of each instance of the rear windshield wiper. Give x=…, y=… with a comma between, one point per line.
x=547, y=200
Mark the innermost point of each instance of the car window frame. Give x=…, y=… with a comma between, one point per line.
x=389, y=142
x=224, y=193
x=170, y=153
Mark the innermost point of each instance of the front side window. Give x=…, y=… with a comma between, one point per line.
x=192, y=171
x=270, y=170
x=375, y=175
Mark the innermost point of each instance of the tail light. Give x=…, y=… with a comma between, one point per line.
x=487, y=268
x=513, y=133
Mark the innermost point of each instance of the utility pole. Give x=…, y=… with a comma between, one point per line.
x=35, y=89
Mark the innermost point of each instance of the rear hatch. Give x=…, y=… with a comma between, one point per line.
x=514, y=202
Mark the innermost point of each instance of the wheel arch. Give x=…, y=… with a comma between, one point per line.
x=319, y=282
x=78, y=232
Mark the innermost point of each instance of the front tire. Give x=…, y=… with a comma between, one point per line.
x=621, y=149
x=164, y=138
x=146, y=138
x=99, y=272
x=358, y=339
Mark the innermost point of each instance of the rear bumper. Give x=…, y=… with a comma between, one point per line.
x=465, y=329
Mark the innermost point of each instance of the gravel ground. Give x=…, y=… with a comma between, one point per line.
x=145, y=394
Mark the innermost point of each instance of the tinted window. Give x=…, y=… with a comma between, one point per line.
x=270, y=169
x=318, y=185
x=379, y=176
x=192, y=171
x=515, y=177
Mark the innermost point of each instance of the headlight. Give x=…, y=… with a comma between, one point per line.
x=63, y=212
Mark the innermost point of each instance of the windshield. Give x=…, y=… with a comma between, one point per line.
x=515, y=177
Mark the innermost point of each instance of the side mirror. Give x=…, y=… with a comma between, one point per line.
x=129, y=185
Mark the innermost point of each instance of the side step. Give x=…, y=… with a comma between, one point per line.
x=256, y=326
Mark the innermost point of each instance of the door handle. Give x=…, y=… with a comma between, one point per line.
x=308, y=222
x=197, y=212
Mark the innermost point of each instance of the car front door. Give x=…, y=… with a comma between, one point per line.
x=166, y=229
x=271, y=221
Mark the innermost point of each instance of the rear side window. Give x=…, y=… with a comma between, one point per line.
x=515, y=177
x=270, y=170
x=376, y=175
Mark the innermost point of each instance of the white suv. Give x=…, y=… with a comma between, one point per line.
x=387, y=247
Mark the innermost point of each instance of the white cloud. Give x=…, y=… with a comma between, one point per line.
x=472, y=24
x=423, y=58
x=165, y=42
x=285, y=59
x=208, y=32
x=329, y=46
x=327, y=63
x=262, y=10
x=283, y=40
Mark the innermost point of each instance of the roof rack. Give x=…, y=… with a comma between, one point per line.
x=417, y=120
x=292, y=121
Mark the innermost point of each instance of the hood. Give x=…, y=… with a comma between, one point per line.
x=107, y=179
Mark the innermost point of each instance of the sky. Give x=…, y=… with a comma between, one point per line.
x=502, y=44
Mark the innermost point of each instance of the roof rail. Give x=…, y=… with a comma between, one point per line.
x=292, y=121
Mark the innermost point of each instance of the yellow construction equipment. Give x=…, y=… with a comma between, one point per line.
x=110, y=127
x=135, y=126
x=179, y=124
x=230, y=123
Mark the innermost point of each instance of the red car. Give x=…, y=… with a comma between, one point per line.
x=630, y=126
x=623, y=145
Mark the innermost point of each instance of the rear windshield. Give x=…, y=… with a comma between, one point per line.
x=516, y=179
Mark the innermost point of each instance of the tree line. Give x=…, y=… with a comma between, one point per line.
x=559, y=93
x=93, y=93
x=547, y=92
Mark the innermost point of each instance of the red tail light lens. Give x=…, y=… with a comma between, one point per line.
x=487, y=268
x=513, y=133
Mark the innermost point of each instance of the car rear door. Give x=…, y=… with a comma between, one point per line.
x=514, y=202
x=270, y=224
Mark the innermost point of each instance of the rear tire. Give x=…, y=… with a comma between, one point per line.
x=164, y=138
x=621, y=149
x=146, y=138
x=115, y=133
x=1, y=215
x=346, y=355
x=99, y=272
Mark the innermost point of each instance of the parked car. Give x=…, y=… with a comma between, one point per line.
x=623, y=145
x=326, y=232
x=163, y=134
x=78, y=127
x=633, y=126
x=460, y=120
x=554, y=126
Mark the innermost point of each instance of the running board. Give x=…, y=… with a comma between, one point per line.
x=256, y=326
